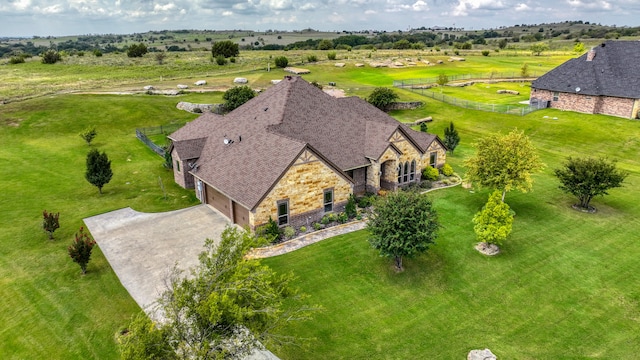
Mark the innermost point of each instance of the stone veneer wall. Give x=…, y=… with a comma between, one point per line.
x=405, y=105
x=182, y=176
x=589, y=104
x=441, y=158
x=303, y=185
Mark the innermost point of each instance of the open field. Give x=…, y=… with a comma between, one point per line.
x=565, y=286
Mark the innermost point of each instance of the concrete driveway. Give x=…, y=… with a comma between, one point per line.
x=142, y=248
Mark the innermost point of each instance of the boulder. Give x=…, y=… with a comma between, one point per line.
x=240, y=80
x=440, y=61
x=273, y=82
x=148, y=87
x=359, y=65
x=340, y=64
x=485, y=354
x=200, y=82
x=181, y=86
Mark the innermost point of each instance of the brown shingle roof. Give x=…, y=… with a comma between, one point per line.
x=267, y=134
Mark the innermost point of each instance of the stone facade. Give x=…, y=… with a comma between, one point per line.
x=303, y=185
x=405, y=105
x=181, y=172
x=607, y=105
x=441, y=155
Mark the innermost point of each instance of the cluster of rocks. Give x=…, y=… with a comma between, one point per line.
x=512, y=92
x=200, y=108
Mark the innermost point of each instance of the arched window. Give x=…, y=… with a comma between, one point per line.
x=405, y=174
x=412, y=173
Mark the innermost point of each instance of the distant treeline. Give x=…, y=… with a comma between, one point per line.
x=414, y=39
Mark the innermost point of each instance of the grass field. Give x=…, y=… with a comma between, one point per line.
x=565, y=286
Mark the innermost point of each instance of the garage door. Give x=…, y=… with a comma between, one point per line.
x=240, y=214
x=218, y=201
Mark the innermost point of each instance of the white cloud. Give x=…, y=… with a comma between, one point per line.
x=166, y=7
x=307, y=7
x=522, y=7
x=590, y=5
x=464, y=6
x=420, y=6
x=370, y=12
x=227, y=13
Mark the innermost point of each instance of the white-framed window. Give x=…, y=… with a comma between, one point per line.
x=412, y=171
x=283, y=212
x=328, y=200
x=556, y=95
x=178, y=165
x=433, y=159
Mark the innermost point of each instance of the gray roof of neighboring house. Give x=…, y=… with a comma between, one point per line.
x=613, y=71
x=268, y=133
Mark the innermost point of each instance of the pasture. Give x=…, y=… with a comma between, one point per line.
x=564, y=286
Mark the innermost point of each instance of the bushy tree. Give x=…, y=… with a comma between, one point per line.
x=403, y=224
x=88, y=134
x=524, y=70
x=281, y=61
x=145, y=339
x=50, y=222
x=504, y=162
x=237, y=96
x=226, y=48
x=325, y=44
x=382, y=98
x=331, y=55
x=221, y=60
x=494, y=222
x=587, y=178
x=443, y=79
x=80, y=249
x=578, y=48
x=424, y=127
x=160, y=56
x=451, y=137
x=99, y=171
x=350, y=208
x=228, y=307
x=538, y=48
x=51, y=57
x=137, y=50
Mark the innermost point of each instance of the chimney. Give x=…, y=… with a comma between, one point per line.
x=591, y=54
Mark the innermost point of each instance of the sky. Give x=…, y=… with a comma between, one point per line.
x=26, y=18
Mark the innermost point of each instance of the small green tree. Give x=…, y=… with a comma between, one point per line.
x=137, y=50
x=443, y=79
x=80, y=249
x=538, y=48
x=504, y=162
x=382, y=98
x=587, y=178
x=493, y=223
x=160, y=56
x=50, y=222
x=51, y=57
x=502, y=43
x=237, y=96
x=221, y=60
x=424, y=127
x=281, y=61
x=88, y=134
x=578, y=48
x=451, y=137
x=226, y=48
x=325, y=44
x=270, y=231
x=524, y=70
x=351, y=208
x=403, y=224
x=331, y=55
x=312, y=58
x=99, y=171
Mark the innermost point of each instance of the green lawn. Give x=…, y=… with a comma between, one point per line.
x=565, y=285
x=48, y=309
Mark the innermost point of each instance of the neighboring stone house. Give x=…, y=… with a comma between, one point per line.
x=294, y=153
x=605, y=80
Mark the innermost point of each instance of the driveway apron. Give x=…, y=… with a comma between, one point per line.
x=143, y=248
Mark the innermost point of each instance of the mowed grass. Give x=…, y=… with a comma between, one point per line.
x=564, y=286
x=48, y=309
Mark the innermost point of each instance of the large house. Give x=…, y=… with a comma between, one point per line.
x=294, y=153
x=605, y=80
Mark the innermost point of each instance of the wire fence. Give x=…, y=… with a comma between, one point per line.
x=143, y=135
x=423, y=87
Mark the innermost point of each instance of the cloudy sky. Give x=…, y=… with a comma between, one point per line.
x=77, y=17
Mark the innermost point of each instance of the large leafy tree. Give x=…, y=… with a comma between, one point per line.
x=382, y=98
x=99, y=171
x=403, y=224
x=451, y=137
x=137, y=50
x=504, y=162
x=228, y=307
x=538, y=48
x=493, y=223
x=587, y=178
x=226, y=48
x=237, y=96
